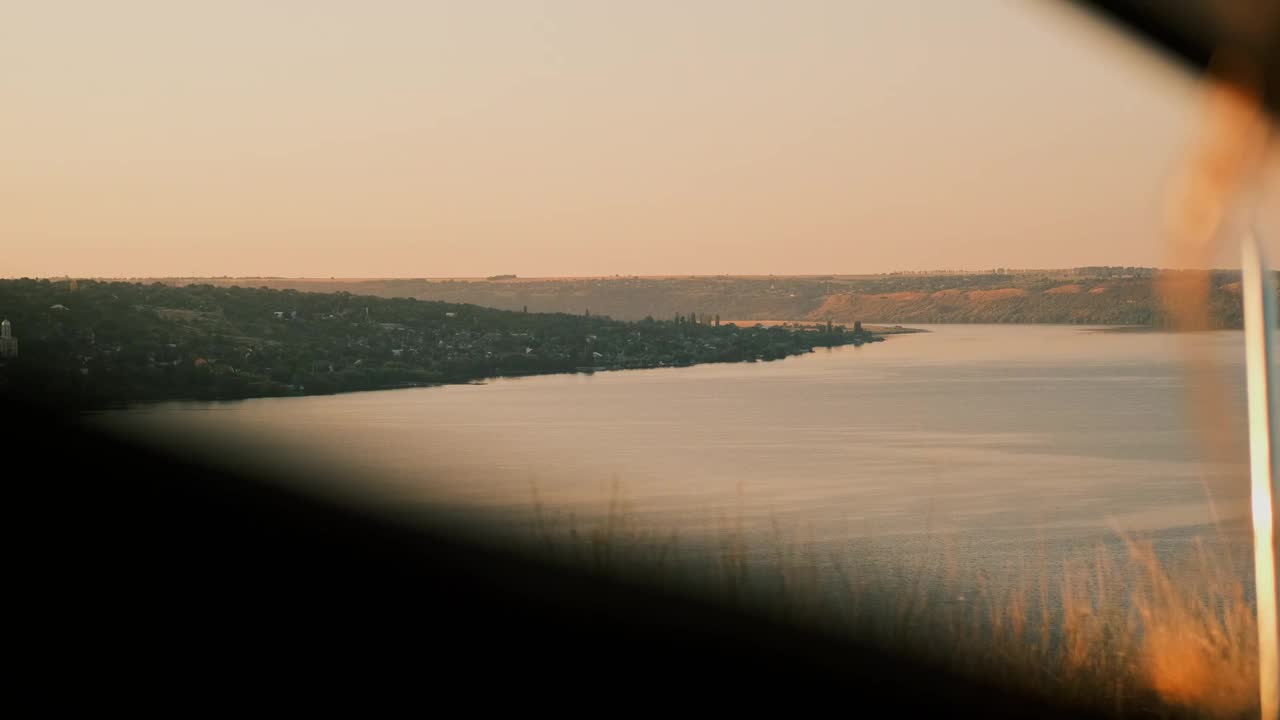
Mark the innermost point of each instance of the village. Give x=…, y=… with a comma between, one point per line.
x=128, y=342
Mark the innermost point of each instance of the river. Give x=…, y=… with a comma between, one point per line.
x=998, y=439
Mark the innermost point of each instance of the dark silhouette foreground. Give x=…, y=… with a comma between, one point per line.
x=142, y=570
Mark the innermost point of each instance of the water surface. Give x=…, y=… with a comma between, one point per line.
x=1002, y=438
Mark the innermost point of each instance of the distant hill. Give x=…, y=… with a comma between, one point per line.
x=1091, y=296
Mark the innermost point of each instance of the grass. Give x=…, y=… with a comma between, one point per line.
x=1121, y=629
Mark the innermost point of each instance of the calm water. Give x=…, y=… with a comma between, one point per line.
x=999, y=437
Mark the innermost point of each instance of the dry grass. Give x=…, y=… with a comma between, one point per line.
x=1069, y=289
x=997, y=294
x=1122, y=630
x=1199, y=649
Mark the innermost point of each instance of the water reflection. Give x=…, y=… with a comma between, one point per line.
x=994, y=436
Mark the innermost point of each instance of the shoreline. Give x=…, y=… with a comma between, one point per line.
x=90, y=406
x=1153, y=329
x=880, y=329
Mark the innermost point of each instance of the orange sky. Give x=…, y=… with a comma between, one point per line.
x=566, y=137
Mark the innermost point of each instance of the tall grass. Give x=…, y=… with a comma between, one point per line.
x=1121, y=629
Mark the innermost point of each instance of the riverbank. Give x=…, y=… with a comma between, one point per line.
x=1151, y=329
x=1080, y=296
x=127, y=342
x=83, y=394
x=873, y=329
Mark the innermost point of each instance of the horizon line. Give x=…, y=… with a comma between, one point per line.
x=509, y=277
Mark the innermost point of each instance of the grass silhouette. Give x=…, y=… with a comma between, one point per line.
x=1121, y=629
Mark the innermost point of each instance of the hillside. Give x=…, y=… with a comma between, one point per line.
x=127, y=342
x=1093, y=296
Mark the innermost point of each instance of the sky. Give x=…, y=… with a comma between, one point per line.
x=576, y=137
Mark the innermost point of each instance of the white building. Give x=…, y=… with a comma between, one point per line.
x=8, y=343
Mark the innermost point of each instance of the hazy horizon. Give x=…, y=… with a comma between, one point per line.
x=515, y=276
x=574, y=139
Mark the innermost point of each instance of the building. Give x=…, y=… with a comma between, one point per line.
x=8, y=343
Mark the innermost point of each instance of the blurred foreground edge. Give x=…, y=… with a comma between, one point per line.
x=1200, y=33
x=140, y=571
x=1237, y=43
x=1260, y=343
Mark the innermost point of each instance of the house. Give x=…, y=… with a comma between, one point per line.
x=8, y=343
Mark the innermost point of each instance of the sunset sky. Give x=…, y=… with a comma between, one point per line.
x=430, y=139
